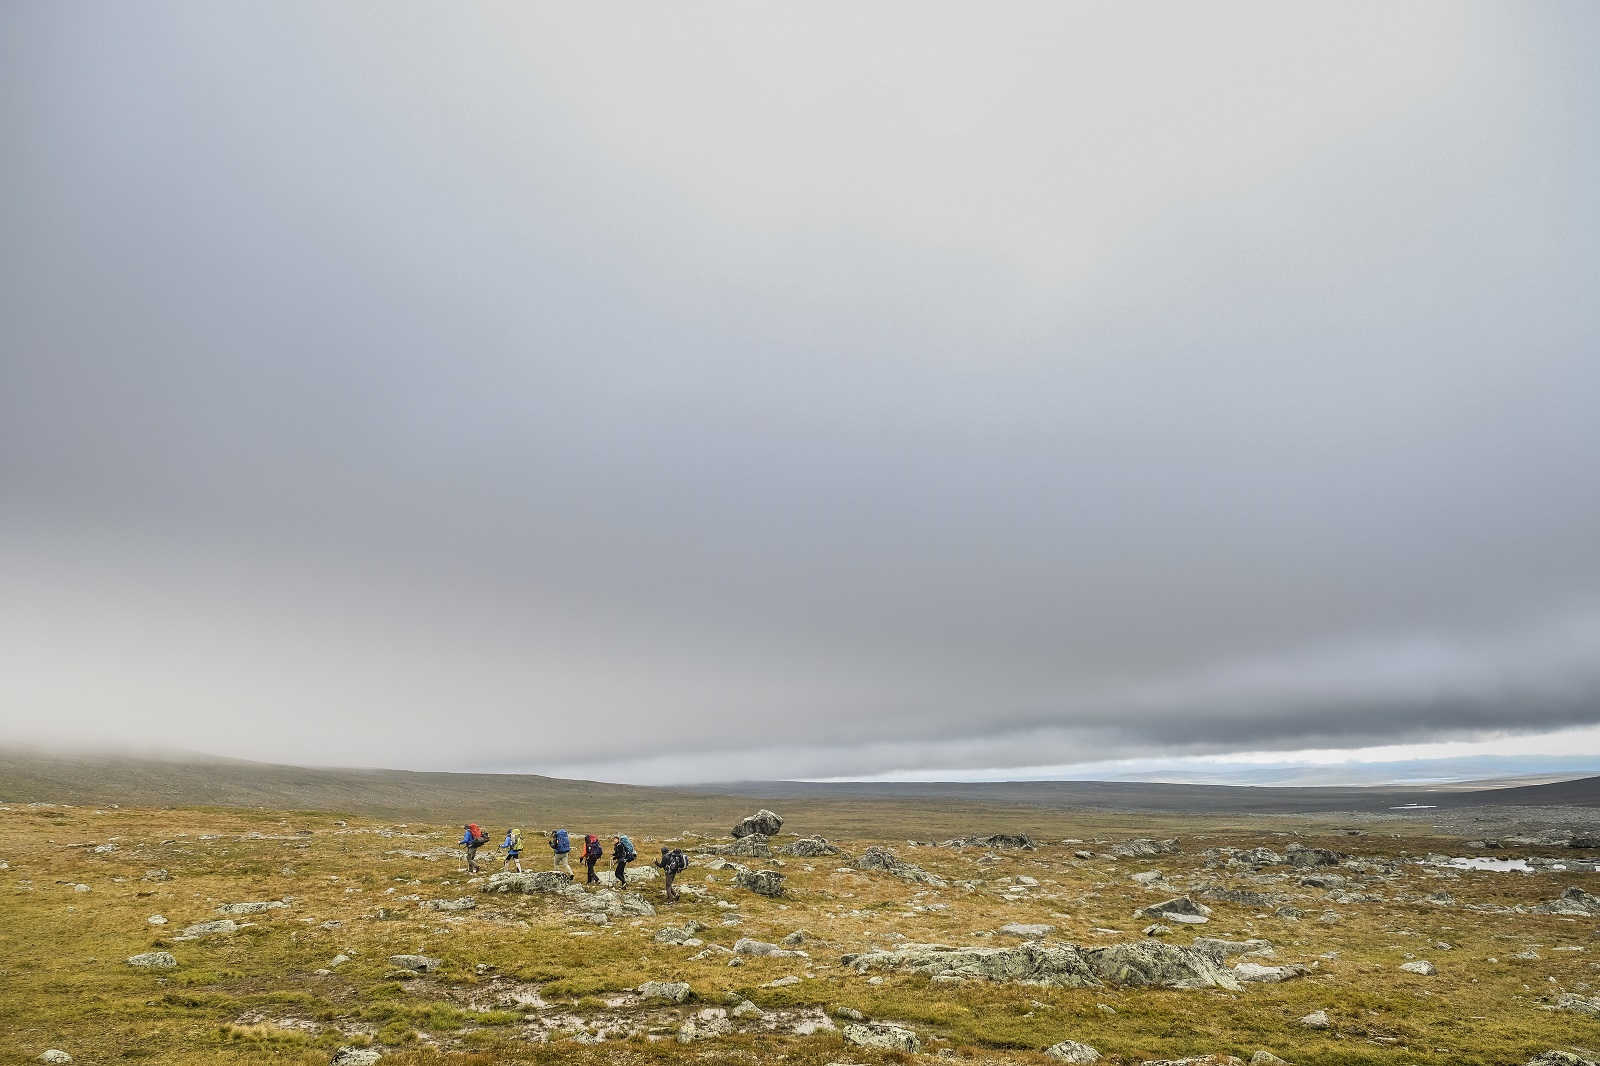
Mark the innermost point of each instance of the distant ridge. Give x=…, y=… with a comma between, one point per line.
x=200, y=781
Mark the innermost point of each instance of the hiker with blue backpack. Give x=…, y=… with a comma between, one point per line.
x=561, y=844
x=622, y=854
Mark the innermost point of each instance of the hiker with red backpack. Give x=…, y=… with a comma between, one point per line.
x=473, y=839
x=561, y=844
x=592, y=853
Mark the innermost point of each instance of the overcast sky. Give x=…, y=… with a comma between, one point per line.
x=712, y=391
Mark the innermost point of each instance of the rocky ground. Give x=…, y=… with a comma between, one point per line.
x=227, y=936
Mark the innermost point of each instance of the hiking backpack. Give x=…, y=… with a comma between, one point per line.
x=561, y=843
x=677, y=861
x=479, y=837
x=591, y=847
x=627, y=849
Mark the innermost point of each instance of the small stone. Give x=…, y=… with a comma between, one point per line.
x=223, y=926
x=851, y=1013
x=746, y=1009
x=54, y=1055
x=1157, y=929
x=156, y=919
x=1317, y=1020
x=250, y=908
x=1073, y=1052
x=338, y=960
x=782, y=982
x=1266, y=1058
x=1422, y=967
x=154, y=960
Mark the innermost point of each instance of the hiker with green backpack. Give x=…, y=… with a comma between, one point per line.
x=513, y=849
x=622, y=854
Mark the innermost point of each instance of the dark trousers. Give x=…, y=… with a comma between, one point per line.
x=589, y=863
x=671, y=895
x=622, y=871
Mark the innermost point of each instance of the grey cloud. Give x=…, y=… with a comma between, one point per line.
x=352, y=398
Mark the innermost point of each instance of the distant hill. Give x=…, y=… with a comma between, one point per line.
x=920, y=809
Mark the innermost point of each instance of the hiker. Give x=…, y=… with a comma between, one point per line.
x=622, y=854
x=473, y=839
x=561, y=844
x=592, y=853
x=513, y=849
x=672, y=862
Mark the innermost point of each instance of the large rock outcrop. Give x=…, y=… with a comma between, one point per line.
x=763, y=821
x=1143, y=848
x=545, y=882
x=994, y=840
x=885, y=861
x=762, y=882
x=1146, y=963
x=813, y=847
x=1574, y=901
x=1180, y=909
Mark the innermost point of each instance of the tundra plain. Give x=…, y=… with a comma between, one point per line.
x=385, y=944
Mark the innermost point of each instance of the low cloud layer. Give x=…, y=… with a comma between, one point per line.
x=452, y=394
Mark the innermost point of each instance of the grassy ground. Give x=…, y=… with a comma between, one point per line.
x=525, y=982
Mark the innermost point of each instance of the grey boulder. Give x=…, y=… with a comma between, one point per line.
x=355, y=1056
x=545, y=882
x=762, y=882
x=885, y=861
x=1179, y=909
x=1032, y=932
x=154, y=960
x=1070, y=1051
x=671, y=991
x=763, y=821
x=465, y=903
x=881, y=1036
x=222, y=926
x=813, y=847
x=251, y=908
x=417, y=963
x=54, y=1055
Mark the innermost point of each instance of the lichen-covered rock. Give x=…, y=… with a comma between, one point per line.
x=812, y=847
x=1577, y=1004
x=355, y=1056
x=674, y=934
x=613, y=904
x=671, y=991
x=1317, y=1019
x=1179, y=909
x=885, y=861
x=1300, y=855
x=994, y=840
x=1254, y=973
x=464, y=903
x=1421, y=967
x=881, y=1036
x=1226, y=949
x=752, y=846
x=746, y=946
x=1032, y=932
x=1574, y=901
x=154, y=960
x=1142, y=848
x=1264, y=1057
x=1059, y=966
x=251, y=908
x=544, y=882
x=54, y=1055
x=1157, y=964
x=762, y=882
x=1241, y=896
x=416, y=963
x=1072, y=1052
x=763, y=821
x=220, y=927
x=1562, y=1058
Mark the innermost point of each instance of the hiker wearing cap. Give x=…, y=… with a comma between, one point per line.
x=672, y=862
x=622, y=854
x=513, y=849
x=473, y=839
x=561, y=845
